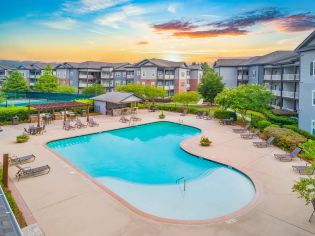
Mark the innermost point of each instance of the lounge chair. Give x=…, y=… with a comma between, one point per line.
x=200, y=115
x=303, y=170
x=288, y=156
x=123, y=119
x=92, y=123
x=79, y=124
x=27, y=131
x=68, y=126
x=135, y=118
x=29, y=171
x=241, y=130
x=228, y=121
x=265, y=143
x=250, y=135
x=20, y=160
x=184, y=112
x=153, y=109
x=313, y=203
x=208, y=117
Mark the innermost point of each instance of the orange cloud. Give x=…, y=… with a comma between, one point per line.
x=142, y=43
x=210, y=33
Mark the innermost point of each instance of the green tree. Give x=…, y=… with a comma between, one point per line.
x=137, y=89
x=65, y=89
x=186, y=98
x=2, y=98
x=14, y=83
x=151, y=93
x=47, y=82
x=211, y=84
x=205, y=66
x=245, y=97
x=94, y=89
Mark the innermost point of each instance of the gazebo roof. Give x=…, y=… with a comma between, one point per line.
x=118, y=98
x=56, y=105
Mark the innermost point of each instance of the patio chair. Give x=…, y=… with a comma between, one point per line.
x=153, y=109
x=123, y=119
x=288, y=156
x=68, y=126
x=228, y=121
x=27, y=131
x=313, y=203
x=92, y=123
x=40, y=130
x=29, y=171
x=135, y=118
x=20, y=160
x=241, y=130
x=265, y=143
x=208, y=117
x=184, y=112
x=303, y=170
x=79, y=124
x=250, y=135
x=200, y=115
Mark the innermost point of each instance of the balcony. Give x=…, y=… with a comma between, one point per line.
x=107, y=76
x=276, y=77
x=242, y=77
x=130, y=76
x=82, y=85
x=84, y=76
x=267, y=77
x=291, y=77
x=169, y=76
x=276, y=92
x=168, y=87
x=288, y=94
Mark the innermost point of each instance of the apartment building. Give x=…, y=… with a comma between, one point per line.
x=306, y=52
x=194, y=78
x=4, y=71
x=278, y=70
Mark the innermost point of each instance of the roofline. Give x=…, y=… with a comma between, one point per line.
x=305, y=41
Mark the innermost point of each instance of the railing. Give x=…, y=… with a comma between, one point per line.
x=276, y=92
x=291, y=76
x=130, y=76
x=267, y=77
x=83, y=76
x=242, y=77
x=276, y=77
x=288, y=94
x=169, y=76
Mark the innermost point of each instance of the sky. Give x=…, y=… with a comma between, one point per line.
x=131, y=30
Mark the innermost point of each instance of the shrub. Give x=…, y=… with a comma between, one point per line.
x=85, y=101
x=305, y=187
x=255, y=120
x=284, y=138
x=300, y=131
x=281, y=112
x=262, y=124
x=7, y=113
x=204, y=141
x=282, y=120
x=223, y=114
x=22, y=138
x=162, y=115
x=308, y=150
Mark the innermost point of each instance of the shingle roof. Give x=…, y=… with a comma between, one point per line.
x=305, y=46
x=195, y=67
x=94, y=65
x=230, y=62
x=268, y=58
x=162, y=63
x=117, y=97
x=5, y=67
x=42, y=66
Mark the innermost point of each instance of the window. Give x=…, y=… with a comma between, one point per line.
x=138, y=72
x=183, y=74
x=313, y=97
x=153, y=73
x=313, y=126
x=312, y=68
x=117, y=74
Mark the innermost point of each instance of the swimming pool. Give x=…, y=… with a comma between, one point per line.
x=145, y=166
x=22, y=102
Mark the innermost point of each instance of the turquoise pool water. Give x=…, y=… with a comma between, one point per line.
x=22, y=102
x=143, y=165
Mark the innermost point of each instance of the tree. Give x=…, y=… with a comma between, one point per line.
x=245, y=97
x=151, y=93
x=137, y=89
x=187, y=97
x=66, y=89
x=47, y=82
x=204, y=67
x=211, y=84
x=14, y=83
x=2, y=98
x=94, y=89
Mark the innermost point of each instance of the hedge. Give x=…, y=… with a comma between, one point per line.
x=283, y=120
x=7, y=114
x=308, y=150
x=222, y=114
x=85, y=101
x=285, y=138
x=300, y=131
x=263, y=124
x=176, y=108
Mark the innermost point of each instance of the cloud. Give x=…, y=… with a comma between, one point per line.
x=172, y=8
x=123, y=16
x=174, y=25
x=241, y=24
x=86, y=6
x=142, y=43
x=210, y=33
x=61, y=24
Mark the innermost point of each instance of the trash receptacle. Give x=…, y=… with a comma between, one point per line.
x=83, y=113
x=15, y=120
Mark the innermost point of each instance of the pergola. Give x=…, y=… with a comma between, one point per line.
x=59, y=105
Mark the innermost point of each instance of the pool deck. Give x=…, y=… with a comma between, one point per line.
x=65, y=202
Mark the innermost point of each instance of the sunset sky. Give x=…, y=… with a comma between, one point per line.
x=128, y=31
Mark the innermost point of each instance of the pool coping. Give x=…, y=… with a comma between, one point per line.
x=249, y=206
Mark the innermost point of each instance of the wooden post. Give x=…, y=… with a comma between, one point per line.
x=38, y=118
x=65, y=115
x=28, y=113
x=87, y=114
x=5, y=170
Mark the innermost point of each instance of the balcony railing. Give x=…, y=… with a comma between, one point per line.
x=106, y=76
x=267, y=77
x=84, y=76
x=276, y=92
x=169, y=76
x=291, y=76
x=130, y=76
x=288, y=94
x=242, y=77
x=276, y=77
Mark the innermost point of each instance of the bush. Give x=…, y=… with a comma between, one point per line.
x=22, y=138
x=162, y=115
x=262, y=124
x=85, y=101
x=223, y=114
x=7, y=113
x=176, y=108
x=308, y=150
x=300, y=131
x=284, y=138
x=204, y=141
x=255, y=120
x=282, y=120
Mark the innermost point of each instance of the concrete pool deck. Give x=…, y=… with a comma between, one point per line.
x=67, y=203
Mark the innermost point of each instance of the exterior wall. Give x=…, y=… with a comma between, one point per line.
x=253, y=74
x=100, y=107
x=307, y=85
x=148, y=73
x=229, y=75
